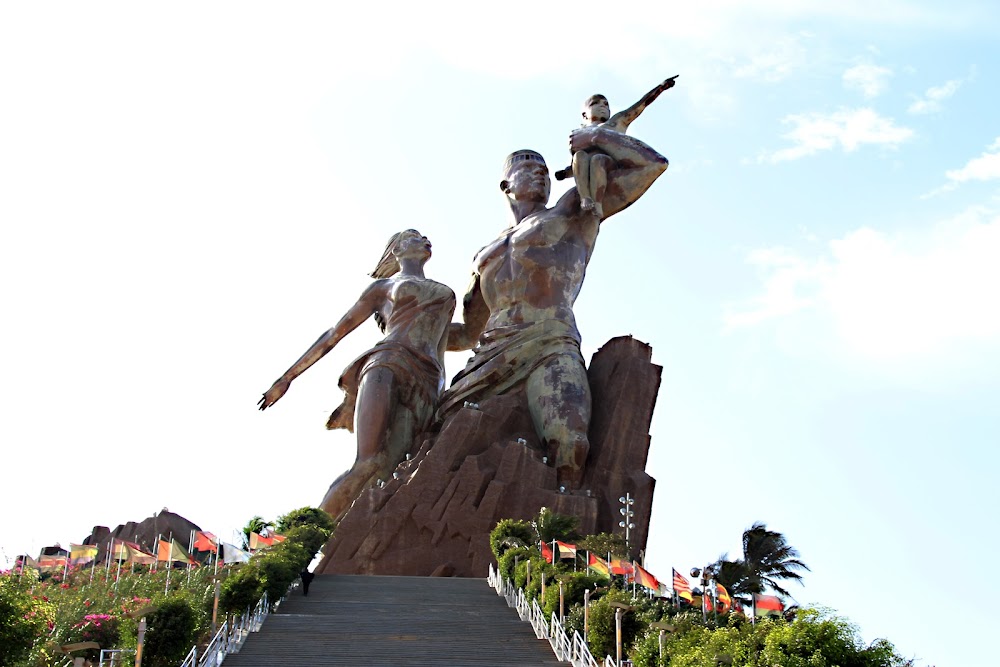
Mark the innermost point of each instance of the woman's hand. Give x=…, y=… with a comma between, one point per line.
x=272, y=395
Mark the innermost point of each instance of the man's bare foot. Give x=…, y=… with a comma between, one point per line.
x=587, y=204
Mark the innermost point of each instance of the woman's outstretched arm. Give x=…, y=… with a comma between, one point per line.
x=370, y=301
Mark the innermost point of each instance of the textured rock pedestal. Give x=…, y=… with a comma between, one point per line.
x=163, y=525
x=434, y=517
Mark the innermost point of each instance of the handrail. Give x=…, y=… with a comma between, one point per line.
x=574, y=651
x=217, y=648
x=113, y=657
x=230, y=637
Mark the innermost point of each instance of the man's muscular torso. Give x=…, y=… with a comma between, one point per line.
x=535, y=270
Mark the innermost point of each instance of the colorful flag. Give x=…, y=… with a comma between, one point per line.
x=51, y=562
x=566, y=550
x=618, y=566
x=767, y=605
x=275, y=538
x=133, y=554
x=81, y=554
x=172, y=551
x=599, y=565
x=205, y=542
x=119, y=549
x=546, y=552
x=725, y=603
x=682, y=587
x=258, y=541
x=645, y=579
x=233, y=554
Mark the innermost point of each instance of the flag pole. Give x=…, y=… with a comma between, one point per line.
x=119, y=573
x=190, y=560
x=156, y=552
x=170, y=563
x=107, y=560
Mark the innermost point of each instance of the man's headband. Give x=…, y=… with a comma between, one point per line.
x=521, y=156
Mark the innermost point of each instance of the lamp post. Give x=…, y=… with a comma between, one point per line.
x=139, y=640
x=707, y=577
x=626, y=511
x=620, y=610
x=664, y=628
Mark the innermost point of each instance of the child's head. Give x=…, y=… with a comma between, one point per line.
x=596, y=109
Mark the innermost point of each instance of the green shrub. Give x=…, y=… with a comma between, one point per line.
x=574, y=586
x=312, y=538
x=601, y=635
x=511, y=557
x=242, y=588
x=305, y=516
x=171, y=631
x=23, y=618
x=510, y=533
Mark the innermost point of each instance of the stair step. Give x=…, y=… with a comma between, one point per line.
x=385, y=621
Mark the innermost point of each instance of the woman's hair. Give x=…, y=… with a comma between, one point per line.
x=388, y=267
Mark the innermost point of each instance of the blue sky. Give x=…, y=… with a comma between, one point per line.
x=191, y=195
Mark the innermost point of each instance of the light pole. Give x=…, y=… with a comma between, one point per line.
x=620, y=609
x=626, y=511
x=664, y=628
x=707, y=577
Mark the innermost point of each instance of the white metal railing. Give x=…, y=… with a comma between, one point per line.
x=230, y=636
x=116, y=657
x=192, y=657
x=574, y=651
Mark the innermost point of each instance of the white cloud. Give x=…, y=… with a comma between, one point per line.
x=986, y=167
x=931, y=101
x=889, y=297
x=776, y=63
x=848, y=128
x=870, y=80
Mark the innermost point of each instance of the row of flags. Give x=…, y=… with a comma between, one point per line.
x=167, y=551
x=718, y=601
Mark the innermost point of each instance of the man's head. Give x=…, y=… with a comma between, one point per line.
x=596, y=109
x=526, y=176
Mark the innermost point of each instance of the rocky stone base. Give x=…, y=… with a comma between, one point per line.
x=434, y=517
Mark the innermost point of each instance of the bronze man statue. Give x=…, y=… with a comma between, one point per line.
x=524, y=286
x=392, y=389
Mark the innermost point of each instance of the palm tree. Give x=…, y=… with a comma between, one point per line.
x=551, y=526
x=769, y=560
x=732, y=574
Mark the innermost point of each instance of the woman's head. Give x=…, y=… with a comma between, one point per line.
x=407, y=243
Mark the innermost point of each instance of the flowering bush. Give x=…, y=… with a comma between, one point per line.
x=100, y=628
x=23, y=618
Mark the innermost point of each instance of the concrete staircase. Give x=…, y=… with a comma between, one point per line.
x=388, y=621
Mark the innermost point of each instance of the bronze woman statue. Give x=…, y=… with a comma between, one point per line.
x=392, y=389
